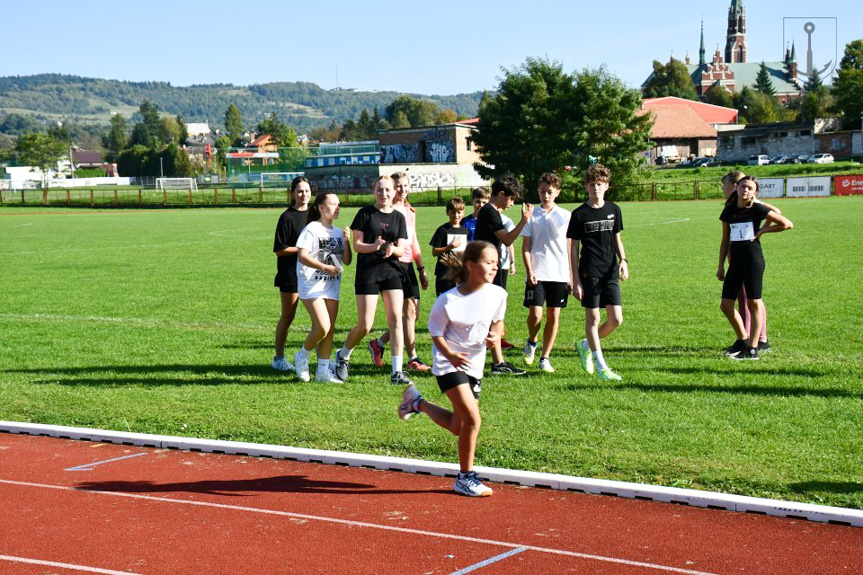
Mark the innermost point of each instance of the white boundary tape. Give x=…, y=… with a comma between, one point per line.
x=693, y=497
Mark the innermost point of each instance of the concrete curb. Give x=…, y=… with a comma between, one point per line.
x=693, y=497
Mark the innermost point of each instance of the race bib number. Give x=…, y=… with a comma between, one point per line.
x=742, y=232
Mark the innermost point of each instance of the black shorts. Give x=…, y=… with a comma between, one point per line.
x=410, y=284
x=287, y=282
x=442, y=285
x=552, y=294
x=456, y=378
x=751, y=276
x=365, y=287
x=500, y=278
x=600, y=292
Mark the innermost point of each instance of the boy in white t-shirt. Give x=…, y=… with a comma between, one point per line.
x=463, y=323
x=545, y=250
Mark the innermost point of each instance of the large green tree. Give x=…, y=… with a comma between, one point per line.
x=234, y=124
x=147, y=131
x=670, y=79
x=719, y=96
x=416, y=112
x=115, y=141
x=816, y=101
x=542, y=119
x=282, y=134
x=41, y=151
x=848, y=86
x=763, y=83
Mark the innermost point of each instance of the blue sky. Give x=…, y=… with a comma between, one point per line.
x=441, y=47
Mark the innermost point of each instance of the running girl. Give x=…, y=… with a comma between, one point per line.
x=741, y=234
x=323, y=249
x=380, y=235
x=288, y=229
x=463, y=323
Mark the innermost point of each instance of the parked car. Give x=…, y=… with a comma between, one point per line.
x=780, y=159
x=801, y=159
x=705, y=163
x=758, y=160
x=821, y=159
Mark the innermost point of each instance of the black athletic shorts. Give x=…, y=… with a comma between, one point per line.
x=552, y=294
x=456, y=378
x=441, y=285
x=750, y=276
x=600, y=292
x=365, y=287
x=287, y=283
x=410, y=283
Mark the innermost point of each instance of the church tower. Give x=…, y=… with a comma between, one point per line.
x=735, y=43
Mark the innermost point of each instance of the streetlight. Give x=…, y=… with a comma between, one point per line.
x=161, y=167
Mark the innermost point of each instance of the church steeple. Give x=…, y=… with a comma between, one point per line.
x=735, y=43
x=701, y=60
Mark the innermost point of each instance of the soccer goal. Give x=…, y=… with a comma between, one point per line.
x=169, y=184
x=278, y=179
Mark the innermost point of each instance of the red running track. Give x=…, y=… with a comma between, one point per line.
x=71, y=507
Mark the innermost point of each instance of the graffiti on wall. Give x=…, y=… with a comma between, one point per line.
x=431, y=180
x=400, y=154
x=440, y=152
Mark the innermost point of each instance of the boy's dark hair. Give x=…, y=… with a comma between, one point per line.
x=455, y=204
x=506, y=184
x=597, y=173
x=550, y=179
x=479, y=193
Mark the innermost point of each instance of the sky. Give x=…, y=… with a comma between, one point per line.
x=441, y=47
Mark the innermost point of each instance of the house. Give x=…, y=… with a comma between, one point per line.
x=684, y=128
x=85, y=159
x=738, y=143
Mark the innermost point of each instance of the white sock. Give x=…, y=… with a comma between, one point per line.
x=397, y=363
x=599, y=360
x=584, y=344
x=323, y=366
x=345, y=353
x=304, y=353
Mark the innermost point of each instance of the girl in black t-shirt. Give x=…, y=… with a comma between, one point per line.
x=741, y=233
x=291, y=223
x=379, y=238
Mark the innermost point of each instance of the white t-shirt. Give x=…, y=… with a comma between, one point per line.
x=325, y=245
x=464, y=321
x=504, y=250
x=549, y=255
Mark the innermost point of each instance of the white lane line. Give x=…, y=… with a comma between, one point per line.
x=366, y=525
x=680, y=221
x=90, y=466
x=129, y=320
x=489, y=561
x=64, y=565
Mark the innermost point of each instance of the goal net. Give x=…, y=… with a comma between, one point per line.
x=168, y=184
x=278, y=179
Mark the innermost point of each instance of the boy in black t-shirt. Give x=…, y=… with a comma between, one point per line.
x=451, y=237
x=489, y=227
x=595, y=228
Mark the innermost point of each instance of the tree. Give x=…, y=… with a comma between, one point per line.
x=147, y=131
x=169, y=130
x=719, y=96
x=816, y=101
x=416, y=112
x=848, y=86
x=115, y=141
x=671, y=79
x=43, y=152
x=282, y=135
x=234, y=124
x=756, y=107
x=542, y=119
x=763, y=83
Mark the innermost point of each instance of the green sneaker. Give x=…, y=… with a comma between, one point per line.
x=608, y=375
x=585, y=356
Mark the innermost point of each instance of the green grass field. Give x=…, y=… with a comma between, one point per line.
x=162, y=322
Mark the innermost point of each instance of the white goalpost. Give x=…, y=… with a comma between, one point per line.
x=277, y=179
x=172, y=184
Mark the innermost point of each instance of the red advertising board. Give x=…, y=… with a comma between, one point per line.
x=850, y=185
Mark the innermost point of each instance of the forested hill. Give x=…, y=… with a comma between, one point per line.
x=303, y=105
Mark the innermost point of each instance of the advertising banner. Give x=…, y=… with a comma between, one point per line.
x=771, y=188
x=808, y=187
x=849, y=185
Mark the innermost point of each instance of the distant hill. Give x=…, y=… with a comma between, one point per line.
x=303, y=105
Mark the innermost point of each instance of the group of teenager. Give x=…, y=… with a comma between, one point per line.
x=578, y=253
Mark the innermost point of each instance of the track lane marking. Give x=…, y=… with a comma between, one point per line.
x=64, y=565
x=90, y=466
x=351, y=523
x=489, y=561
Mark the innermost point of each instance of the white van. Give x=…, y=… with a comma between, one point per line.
x=758, y=160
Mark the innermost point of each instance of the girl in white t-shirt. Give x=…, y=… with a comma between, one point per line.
x=463, y=322
x=323, y=250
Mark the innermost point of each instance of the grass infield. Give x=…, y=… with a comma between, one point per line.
x=162, y=322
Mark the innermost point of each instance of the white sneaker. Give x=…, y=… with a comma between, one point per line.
x=301, y=366
x=327, y=376
x=529, y=352
x=411, y=398
x=282, y=364
x=545, y=365
x=470, y=485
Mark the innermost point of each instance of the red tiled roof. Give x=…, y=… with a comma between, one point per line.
x=680, y=118
x=711, y=114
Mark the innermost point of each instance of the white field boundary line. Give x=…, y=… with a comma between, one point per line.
x=129, y=320
x=90, y=466
x=69, y=566
x=362, y=524
x=692, y=497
